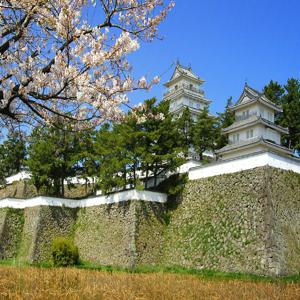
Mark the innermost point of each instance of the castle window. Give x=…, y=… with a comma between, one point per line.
x=250, y=134
x=270, y=116
x=246, y=114
x=236, y=138
x=176, y=87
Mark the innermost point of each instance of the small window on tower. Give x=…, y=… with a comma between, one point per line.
x=270, y=116
x=191, y=86
x=176, y=87
x=250, y=134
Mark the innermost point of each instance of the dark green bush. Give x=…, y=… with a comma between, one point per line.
x=173, y=185
x=64, y=252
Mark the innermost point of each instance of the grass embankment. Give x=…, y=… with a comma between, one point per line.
x=74, y=283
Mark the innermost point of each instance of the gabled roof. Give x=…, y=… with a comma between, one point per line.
x=180, y=70
x=250, y=143
x=186, y=72
x=250, y=95
x=251, y=121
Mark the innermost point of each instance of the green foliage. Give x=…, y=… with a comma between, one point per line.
x=53, y=157
x=112, y=156
x=274, y=92
x=205, y=133
x=173, y=185
x=185, y=126
x=288, y=96
x=161, y=145
x=133, y=147
x=64, y=252
x=225, y=119
x=12, y=155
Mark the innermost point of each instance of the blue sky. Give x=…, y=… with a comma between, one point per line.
x=226, y=43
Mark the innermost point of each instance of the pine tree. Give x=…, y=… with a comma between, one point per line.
x=162, y=145
x=12, y=155
x=288, y=97
x=205, y=133
x=87, y=163
x=225, y=119
x=52, y=158
x=291, y=113
x=132, y=147
x=185, y=125
x=112, y=163
x=274, y=92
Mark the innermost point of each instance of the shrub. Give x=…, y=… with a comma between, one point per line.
x=173, y=185
x=64, y=252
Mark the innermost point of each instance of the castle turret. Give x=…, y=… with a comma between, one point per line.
x=184, y=91
x=254, y=129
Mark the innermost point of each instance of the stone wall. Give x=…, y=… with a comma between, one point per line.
x=27, y=234
x=105, y=234
x=151, y=222
x=242, y=222
x=123, y=234
x=284, y=199
x=11, y=226
x=53, y=222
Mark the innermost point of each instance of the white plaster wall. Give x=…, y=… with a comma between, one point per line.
x=106, y=199
x=264, y=113
x=257, y=109
x=246, y=163
x=272, y=135
x=243, y=152
x=17, y=177
x=188, y=165
x=252, y=110
x=27, y=175
x=257, y=131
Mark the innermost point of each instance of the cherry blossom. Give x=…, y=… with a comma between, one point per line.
x=56, y=62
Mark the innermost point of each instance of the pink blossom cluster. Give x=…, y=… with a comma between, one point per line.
x=56, y=63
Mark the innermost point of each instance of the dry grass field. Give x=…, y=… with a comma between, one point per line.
x=38, y=283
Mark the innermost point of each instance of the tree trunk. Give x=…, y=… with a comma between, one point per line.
x=62, y=187
x=155, y=175
x=124, y=178
x=134, y=176
x=201, y=155
x=147, y=176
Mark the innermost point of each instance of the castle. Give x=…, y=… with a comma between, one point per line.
x=184, y=91
x=239, y=214
x=254, y=129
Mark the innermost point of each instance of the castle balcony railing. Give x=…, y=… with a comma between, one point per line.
x=185, y=87
x=245, y=117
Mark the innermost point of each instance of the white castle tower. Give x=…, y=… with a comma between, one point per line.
x=254, y=129
x=184, y=91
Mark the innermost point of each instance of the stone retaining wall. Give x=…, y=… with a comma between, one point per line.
x=11, y=226
x=242, y=222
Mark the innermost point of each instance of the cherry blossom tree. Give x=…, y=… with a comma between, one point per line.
x=58, y=63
